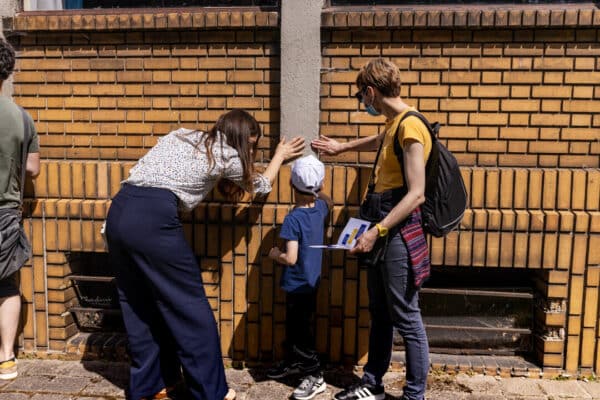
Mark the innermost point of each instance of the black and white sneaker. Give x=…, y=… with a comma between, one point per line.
x=362, y=391
x=283, y=369
x=310, y=387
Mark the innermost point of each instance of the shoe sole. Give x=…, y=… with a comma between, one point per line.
x=380, y=396
x=6, y=377
x=286, y=373
x=320, y=389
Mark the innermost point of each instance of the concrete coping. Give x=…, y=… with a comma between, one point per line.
x=470, y=16
x=146, y=19
x=464, y=16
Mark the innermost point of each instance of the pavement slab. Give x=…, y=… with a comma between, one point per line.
x=480, y=384
x=557, y=390
x=593, y=388
x=483, y=396
x=521, y=387
x=103, y=388
x=15, y=396
x=82, y=380
x=435, y=395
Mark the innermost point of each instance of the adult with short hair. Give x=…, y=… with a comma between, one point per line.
x=167, y=316
x=393, y=289
x=15, y=155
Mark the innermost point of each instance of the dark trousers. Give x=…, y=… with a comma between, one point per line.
x=299, y=329
x=394, y=303
x=169, y=322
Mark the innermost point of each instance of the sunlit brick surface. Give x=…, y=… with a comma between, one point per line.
x=518, y=108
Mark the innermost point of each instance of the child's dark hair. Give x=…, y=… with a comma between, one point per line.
x=7, y=60
x=300, y=192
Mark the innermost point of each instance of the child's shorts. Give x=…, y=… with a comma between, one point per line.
x=9, y=286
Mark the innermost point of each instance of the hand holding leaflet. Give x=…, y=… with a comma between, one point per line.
x=347, y=240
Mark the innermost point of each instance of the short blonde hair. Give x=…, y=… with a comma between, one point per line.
x=381, y=74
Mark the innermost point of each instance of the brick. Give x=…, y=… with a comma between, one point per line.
x=548, y=63
x=578, y=106
x=581, y=77
x=551, y=92
x=520, y=105
x=488, y=119
x=461, y=77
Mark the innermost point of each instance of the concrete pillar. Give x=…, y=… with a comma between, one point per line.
x=300, y=68
x=8, y=9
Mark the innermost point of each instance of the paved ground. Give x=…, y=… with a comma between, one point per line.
x=95, y=380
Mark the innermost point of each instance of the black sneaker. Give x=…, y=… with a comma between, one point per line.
x=283, y=369
x=311, y=386
x=362, y=391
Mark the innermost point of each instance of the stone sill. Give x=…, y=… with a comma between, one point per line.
x=416, y=16
x=146, y=19
x=464, y=16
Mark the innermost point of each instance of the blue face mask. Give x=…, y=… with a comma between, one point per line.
x=372, y=111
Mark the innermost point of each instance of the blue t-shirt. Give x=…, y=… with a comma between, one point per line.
x=306, y=226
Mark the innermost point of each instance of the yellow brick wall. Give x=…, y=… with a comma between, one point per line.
x=516, y=108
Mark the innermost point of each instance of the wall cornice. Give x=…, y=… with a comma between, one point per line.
x=462, y=16
x=146, y=19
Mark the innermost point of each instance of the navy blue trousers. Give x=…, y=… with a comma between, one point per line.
x=169, y=322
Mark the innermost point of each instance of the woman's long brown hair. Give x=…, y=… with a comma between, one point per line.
x=237, y=126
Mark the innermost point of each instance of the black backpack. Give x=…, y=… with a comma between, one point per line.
x=445, y=193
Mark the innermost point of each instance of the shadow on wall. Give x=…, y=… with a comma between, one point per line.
x=241, y=282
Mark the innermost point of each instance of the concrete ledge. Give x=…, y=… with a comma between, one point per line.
x=473, y=16
x=464, y=16
x=135, y=19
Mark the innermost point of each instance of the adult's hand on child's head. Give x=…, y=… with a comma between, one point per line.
x=290, y=149
x=327, y=145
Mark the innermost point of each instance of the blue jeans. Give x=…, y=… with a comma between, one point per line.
x=394, y=303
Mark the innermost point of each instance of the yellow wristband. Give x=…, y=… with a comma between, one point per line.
x=383, y=231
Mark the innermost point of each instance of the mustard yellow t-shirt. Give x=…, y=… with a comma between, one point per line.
x=388, y=173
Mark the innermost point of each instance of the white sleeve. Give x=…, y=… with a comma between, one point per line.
x=234, y=172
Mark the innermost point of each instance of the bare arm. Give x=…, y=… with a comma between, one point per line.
x=33, y=164
x=326, y=199
x=415, y=176
x=333, y=147
x=289, y=257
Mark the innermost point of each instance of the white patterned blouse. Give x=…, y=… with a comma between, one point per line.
x=178, y=162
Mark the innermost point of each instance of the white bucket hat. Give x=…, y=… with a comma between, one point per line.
x=308, y=174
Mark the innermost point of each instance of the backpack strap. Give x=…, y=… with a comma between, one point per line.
x=432, y=161
x=371, y=187
x=28, y=134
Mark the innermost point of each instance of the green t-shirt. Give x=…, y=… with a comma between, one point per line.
x=12, y=134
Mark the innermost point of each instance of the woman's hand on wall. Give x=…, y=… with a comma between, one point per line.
x=327, y=145
x=285, y=151
x=288, y=150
